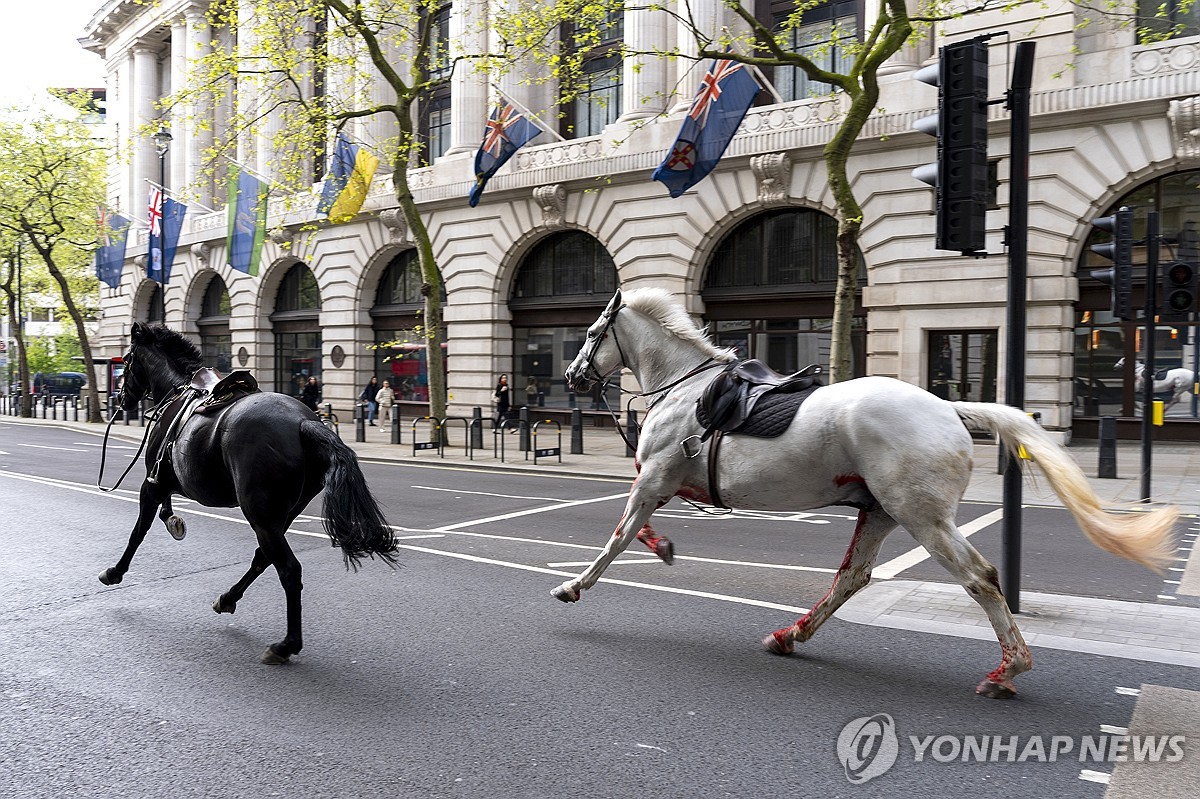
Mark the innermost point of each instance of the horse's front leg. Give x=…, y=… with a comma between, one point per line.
x=149, y=499
x=175, y=525
x=646, y=496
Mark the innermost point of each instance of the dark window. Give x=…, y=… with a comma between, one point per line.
x=594, y=99
x=567, y=267
x=1173, y=19
x=297, y=358
x=434, y=114
x=216, y=299
x=790, y=248
x=299, y=291
x=826, y=34
x=154, y=313
x=963, y=365
x=401, y=283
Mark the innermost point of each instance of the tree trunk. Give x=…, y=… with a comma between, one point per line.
x=23, y=382
x=81, y=331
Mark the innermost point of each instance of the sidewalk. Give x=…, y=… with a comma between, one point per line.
x=1165, y=632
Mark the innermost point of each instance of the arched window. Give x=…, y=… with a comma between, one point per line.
x=400, y=346
x=215, y=341
x=154, y=308
x=1102, y=340
x=560, y=287
x=296, y=323
x=769, y=290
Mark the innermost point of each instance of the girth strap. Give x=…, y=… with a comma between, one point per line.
x=714, y=490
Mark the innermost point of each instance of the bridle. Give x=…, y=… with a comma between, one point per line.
x=590, y=372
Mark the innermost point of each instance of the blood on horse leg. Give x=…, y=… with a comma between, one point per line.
x=659, y=544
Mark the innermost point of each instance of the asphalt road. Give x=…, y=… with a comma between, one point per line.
x=458, y=675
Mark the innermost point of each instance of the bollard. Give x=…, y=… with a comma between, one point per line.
x=576, y=432
x=477, y=428
x=141, y=412
x=360, y=423
x=76, y=411
x=1108, y=447
x=570, y=399
x=541, y=399
x=396, y=424
x=523, y=433
x=44, y=406
x=631, y=434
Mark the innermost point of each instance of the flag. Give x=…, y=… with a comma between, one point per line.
x=349, y=179
x=247, y=226
x=506, y=132
x=110, y=255
x=166, y=222
x=725, y=95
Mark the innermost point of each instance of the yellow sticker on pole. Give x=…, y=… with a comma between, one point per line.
x=1157, y=417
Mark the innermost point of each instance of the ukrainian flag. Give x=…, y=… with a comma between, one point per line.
x=350, y=175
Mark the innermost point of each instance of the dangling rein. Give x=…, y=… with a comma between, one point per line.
x=154, y=413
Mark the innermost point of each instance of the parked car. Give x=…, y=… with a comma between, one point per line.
x=63, y=384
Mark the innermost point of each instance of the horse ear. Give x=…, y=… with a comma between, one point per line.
x=614, y=303
x=135, y=333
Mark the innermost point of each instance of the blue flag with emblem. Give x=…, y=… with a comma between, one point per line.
x=110, y=255
x=166, y=223
x=725, y=95
x=507, y=131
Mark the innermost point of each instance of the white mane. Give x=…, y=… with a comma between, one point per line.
x=661, y=306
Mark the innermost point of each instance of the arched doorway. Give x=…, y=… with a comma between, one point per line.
x=769, y=290
x=296, y=324
x=400, y=348
x=153, y=310
x=561, y=286
x=213, y=322
x=1102, y=340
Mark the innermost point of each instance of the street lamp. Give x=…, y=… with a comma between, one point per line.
x=162, y=142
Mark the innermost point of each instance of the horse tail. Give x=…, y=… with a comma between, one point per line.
x=353, y=519
x=1140, y=536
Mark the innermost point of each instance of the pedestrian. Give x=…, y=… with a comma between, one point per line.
x=501, y=396
x=531, y=392
x=311, y=394
x=385, y=398
x=367, y=398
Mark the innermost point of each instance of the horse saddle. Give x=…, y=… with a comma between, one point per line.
x=222, y=391
x=1161, y=375
x=750, y=398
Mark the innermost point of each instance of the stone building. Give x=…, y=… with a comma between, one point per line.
x=750, y=249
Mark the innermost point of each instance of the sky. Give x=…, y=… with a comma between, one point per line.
x=38, y=49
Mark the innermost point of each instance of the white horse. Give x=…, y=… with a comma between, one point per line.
x=896, y=452
x=1178, y=382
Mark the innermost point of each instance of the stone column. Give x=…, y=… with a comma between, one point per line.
x=198, y=127
x=707, y=17
x=468, y=87
x=912, y=55
x=145, y=93
x=179, y=113
x=644, y=78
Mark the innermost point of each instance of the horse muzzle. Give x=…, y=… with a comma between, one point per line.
x=578, y=379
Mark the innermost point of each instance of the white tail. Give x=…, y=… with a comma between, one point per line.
x=1143, y=537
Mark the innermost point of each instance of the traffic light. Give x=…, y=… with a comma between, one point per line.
x=1119, y=276
x=1179, y=291
x=961, y=172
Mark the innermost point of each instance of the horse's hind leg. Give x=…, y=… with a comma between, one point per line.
x=980, y=578
x=148, y=502
x=852, y=576
x=227, y=602
x=274, y=549
x=175, y=525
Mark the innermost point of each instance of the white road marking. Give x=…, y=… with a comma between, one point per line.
x=111, y=445
x=530, y=512
x=485, y=494
x=1111, y=730
x=1129, y=691
x=911, y=558
x=618, y=562
x=43, y=446
x=1095, y=776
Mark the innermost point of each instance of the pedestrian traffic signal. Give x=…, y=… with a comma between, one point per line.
x=1179, y=291
x=960, y=175
x=1118, y=277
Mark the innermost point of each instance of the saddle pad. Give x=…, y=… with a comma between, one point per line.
x=773, y=413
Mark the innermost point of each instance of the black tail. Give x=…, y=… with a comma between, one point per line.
x=353, y=519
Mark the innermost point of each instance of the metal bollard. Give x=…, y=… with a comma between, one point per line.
x=524, y=429
x=1108, y=447
x=477, y=428
x=631, y=434
x=576, y=432
x=395, y=411
x=360, y=423
x=570, y=399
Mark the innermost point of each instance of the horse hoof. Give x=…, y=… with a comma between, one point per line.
x=665, y=550
x=996, y=690
x=176, y=528
x=272, y=656
x=776, y=644
x=110, y=577
x=564, y=594
x=221, y=606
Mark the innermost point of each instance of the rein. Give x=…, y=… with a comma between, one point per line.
x=153, y=414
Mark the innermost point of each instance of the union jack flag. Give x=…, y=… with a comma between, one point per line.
x=155, y=212
x=105, y=233
x=725, y=95
x=505, y=133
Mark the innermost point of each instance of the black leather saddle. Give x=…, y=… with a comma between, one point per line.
x=749, y=397
x=222, y=391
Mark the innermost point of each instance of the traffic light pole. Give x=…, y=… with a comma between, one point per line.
x=1018, y=258
x=1152, y=242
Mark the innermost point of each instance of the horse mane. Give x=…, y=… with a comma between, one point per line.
x=662, y=306
x=182, y=353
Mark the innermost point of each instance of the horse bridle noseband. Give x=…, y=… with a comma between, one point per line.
x=590, y=371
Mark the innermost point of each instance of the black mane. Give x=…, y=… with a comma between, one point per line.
x=175, y=348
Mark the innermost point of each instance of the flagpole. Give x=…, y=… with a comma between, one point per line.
x=378, y=153
x=764, y=83
x=253, y=172
x=167, y=192
x=525, y=111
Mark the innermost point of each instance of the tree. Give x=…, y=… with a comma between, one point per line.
x=12, y=291
x=52, y=172
x=305, y=69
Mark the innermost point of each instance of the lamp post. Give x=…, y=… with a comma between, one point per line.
x=162, y=143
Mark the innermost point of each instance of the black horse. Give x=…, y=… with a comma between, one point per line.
x=266, y=453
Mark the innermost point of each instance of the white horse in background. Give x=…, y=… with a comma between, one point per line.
x=1178, y=382
x=897, y=453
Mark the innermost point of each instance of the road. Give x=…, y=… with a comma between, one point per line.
x=458, y=675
